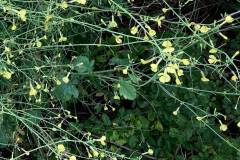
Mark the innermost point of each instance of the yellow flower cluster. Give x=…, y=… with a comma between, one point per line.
x=171, y=69
x=200, y=28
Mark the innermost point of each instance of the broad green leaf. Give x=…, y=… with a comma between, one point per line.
x=65, y=92
x=127, y=90
x=106, y=120
x=82, y=64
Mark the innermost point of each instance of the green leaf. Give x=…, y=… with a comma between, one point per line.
x=127, y=90
x=66, y=92
x=83, y=65
x=106, y=120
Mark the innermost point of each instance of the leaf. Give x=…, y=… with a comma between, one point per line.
x=127, y=90
x=65, y=92
x=119, y=61
x=132, y=141
x=83, y=65
x=106, y=120
x=33, y=116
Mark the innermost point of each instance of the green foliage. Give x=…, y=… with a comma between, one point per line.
x=127, y=90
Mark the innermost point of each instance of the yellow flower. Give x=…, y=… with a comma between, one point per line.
x=146, y=61
x=60, y=148
x=22, y=14
x=95, y=153
x=112, y=23
x=33, y=91
x=134, y=30
x=204, y=79
x=164, y=77
x=212, y=59
x=213, y=50
x=167, y=44
x=180, y=72
x=146, y=38
x=229, y=19
x=125, y=71
x=236, y=54
x=164, y=10
x=66, y=79
x=38, y=86
x=46, y=89
x=204, y=29
x=39, y=43
x=116, y=97
x=7, y=50
x=83, y=2
x=238, y=124
x=102, y=140
x=118, y=39
x=199, y=118
x=14, y=27
x=151, y=32
x=223, y=36
x=175, y=113
x=223, y=127
x=159, y=20
x=197, y=27
x=58, y=82
x=150, y=151
x=72, y=158
x=234, y=77
x=168, y=47
x=6, y=74
x=185, y=62
x=177, y=81
x=168, y=50
x=171, y=68
x=154, y=67
x=62, y=38
x=63, y=5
